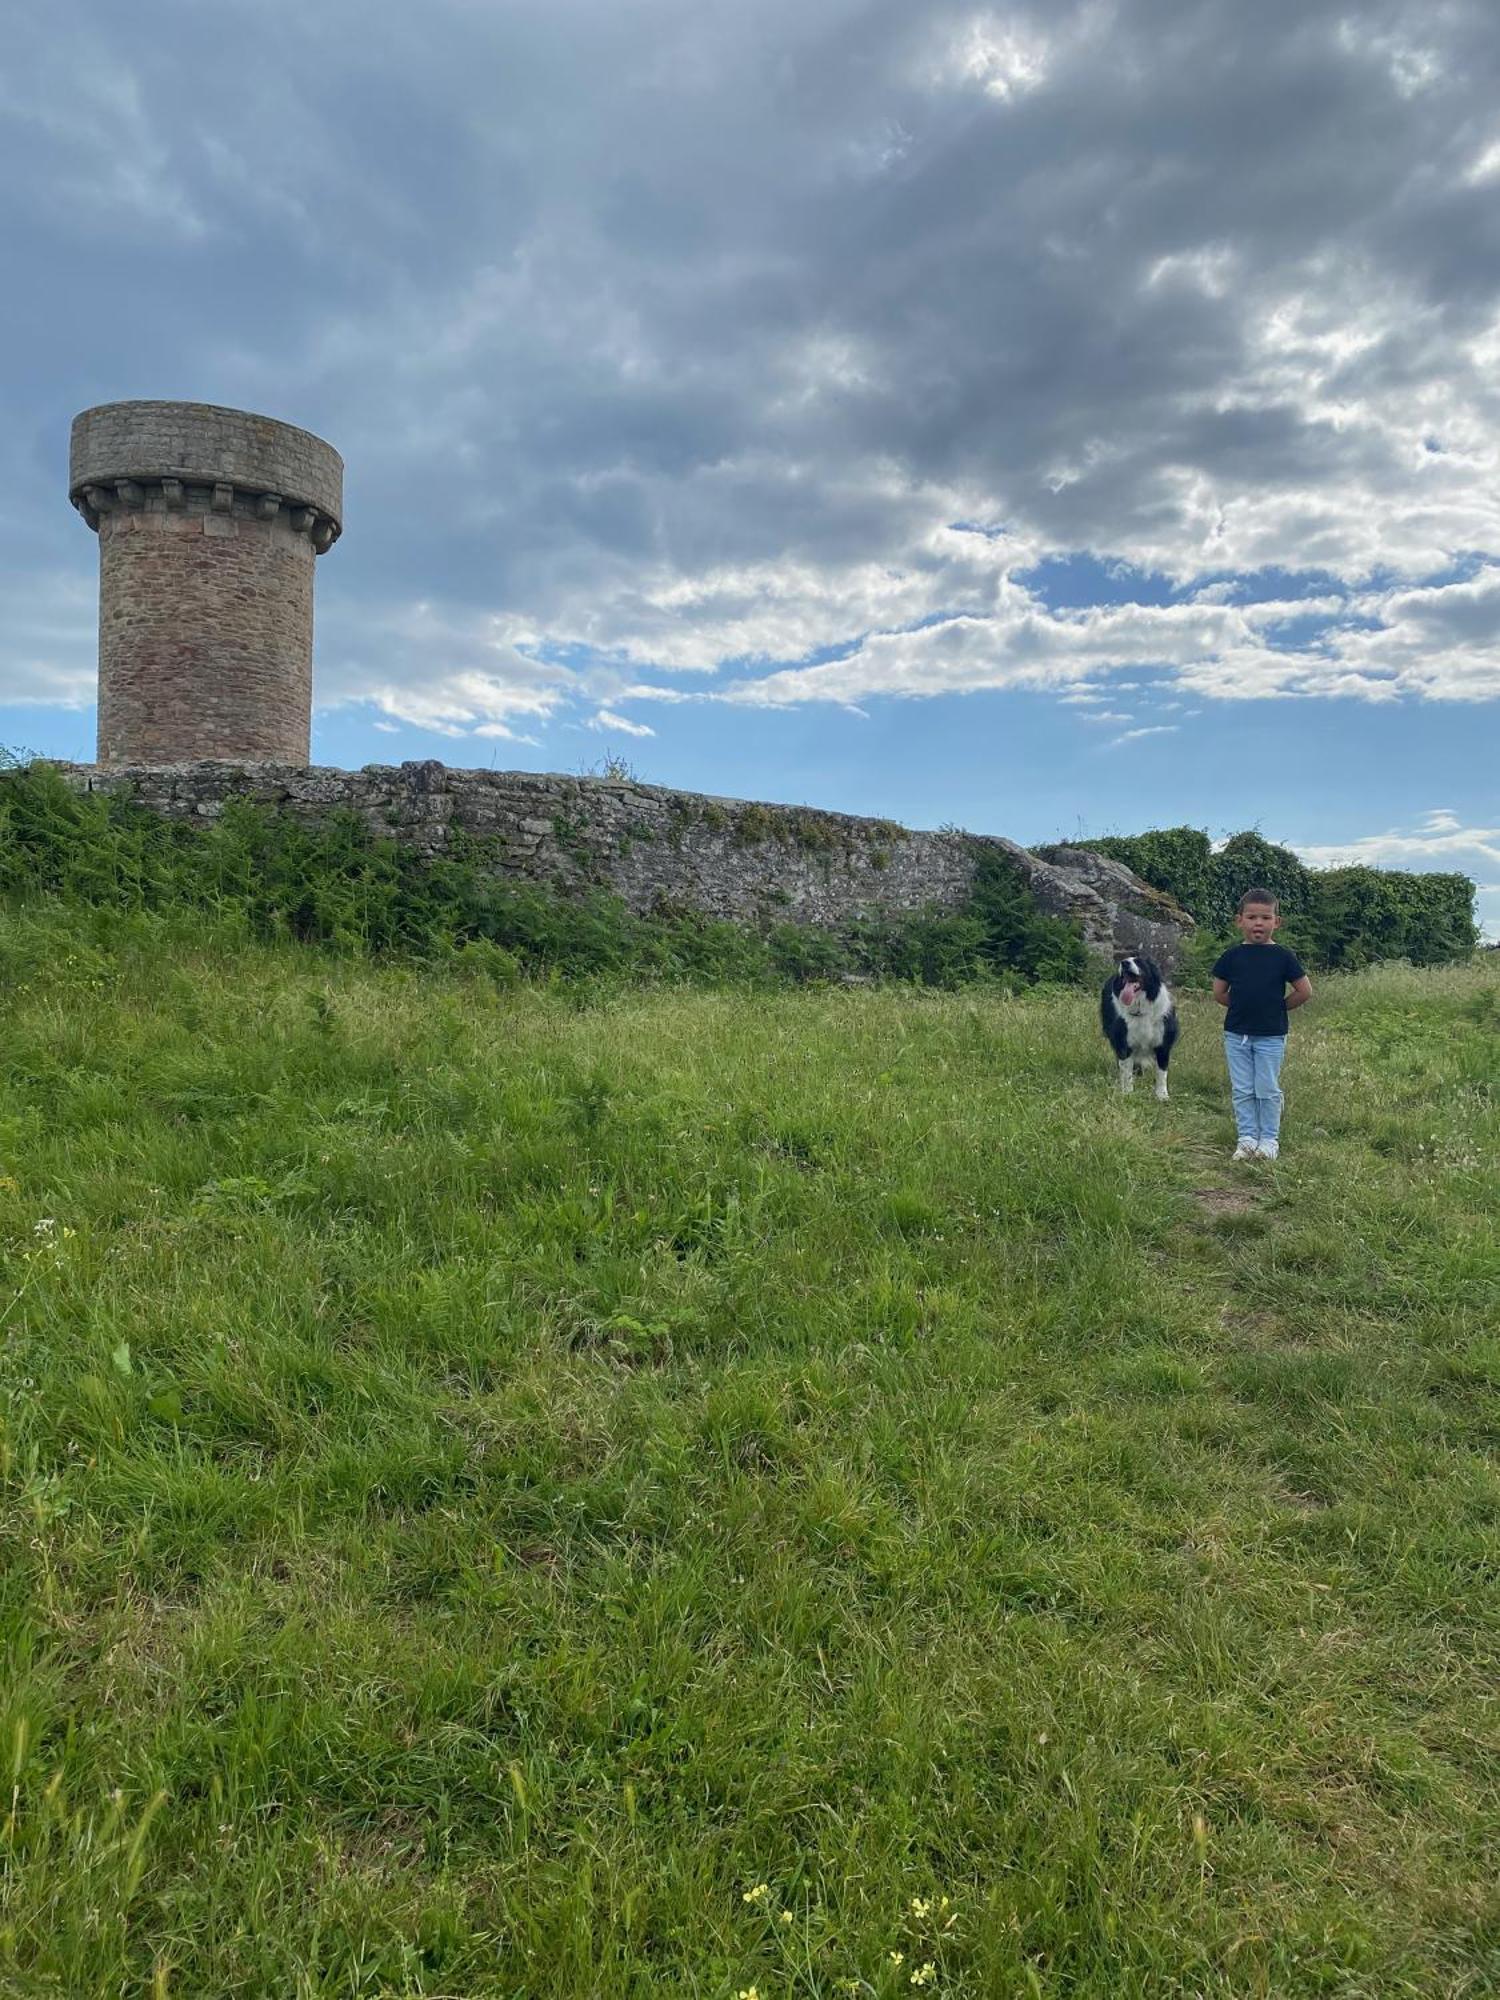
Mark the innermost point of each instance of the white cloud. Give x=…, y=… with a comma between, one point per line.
x=455, y=675
x=1433, y=643
x=1440, y=843
x=1397, y=847
x=607, y=719
x=1411, y=65
x=51, y=622
x=1004, y=60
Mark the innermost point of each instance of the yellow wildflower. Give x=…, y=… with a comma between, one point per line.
x=924, y=1974
x=759, y=1894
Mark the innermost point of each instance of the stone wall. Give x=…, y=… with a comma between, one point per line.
x=749, y=862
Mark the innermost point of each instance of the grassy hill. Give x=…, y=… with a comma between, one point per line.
x=712, y=1493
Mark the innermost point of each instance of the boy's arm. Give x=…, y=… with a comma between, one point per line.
x=1298, y=994
x=1221, y=991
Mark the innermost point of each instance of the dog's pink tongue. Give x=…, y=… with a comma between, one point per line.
x=1129, y=990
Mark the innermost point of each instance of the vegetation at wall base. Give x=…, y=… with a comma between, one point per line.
x=564, y=1492
x=266, y=875
x=1334, y=918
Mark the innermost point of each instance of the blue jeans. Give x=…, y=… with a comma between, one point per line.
x=1255, y=1078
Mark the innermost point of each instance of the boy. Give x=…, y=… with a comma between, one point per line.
x=1252, y=980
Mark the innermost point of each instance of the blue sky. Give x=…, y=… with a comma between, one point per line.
x=1044, y=419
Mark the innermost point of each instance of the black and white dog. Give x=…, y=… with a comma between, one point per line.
x=1139, y=1021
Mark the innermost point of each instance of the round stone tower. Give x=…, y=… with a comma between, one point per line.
x=209, y=523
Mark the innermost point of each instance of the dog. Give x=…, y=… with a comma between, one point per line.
x=1139, y=1021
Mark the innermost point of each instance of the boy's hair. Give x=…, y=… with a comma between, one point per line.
x=1267, y=896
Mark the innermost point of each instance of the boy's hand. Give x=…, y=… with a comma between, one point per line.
x=1221, y=991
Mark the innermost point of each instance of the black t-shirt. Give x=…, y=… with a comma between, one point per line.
x=1257, y=976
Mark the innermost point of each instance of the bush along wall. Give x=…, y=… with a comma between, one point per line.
x=260, y=873
x=1333, y=918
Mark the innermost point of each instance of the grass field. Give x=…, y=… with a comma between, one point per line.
x=513, y=1493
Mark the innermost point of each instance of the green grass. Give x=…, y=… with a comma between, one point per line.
x=492, y=1480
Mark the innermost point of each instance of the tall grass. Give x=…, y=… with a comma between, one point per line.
x=518, y=1491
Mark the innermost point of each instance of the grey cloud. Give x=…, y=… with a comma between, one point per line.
x=601, y=299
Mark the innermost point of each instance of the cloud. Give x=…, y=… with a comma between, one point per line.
x=456, y=675
x=1446, y=845
x=1441, y=842
x=669, y=342
x=607, y=719
x=1435, y=643
x=50, y=619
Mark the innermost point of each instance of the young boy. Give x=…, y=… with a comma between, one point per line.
x=1259, y=981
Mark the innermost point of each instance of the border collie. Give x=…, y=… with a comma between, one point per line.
x=1139, y=1021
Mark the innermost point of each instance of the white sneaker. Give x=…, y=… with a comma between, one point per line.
x=1247, y=1149
x=1268, y=1149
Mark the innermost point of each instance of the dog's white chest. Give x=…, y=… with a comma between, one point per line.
x=1143, y=1023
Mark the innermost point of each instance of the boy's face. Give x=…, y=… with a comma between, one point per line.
x=1257, y=922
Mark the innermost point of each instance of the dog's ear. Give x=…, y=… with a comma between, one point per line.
x=1150, y=977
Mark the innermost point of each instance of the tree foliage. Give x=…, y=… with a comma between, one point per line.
x=1332, y=917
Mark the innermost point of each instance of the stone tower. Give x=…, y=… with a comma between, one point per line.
x=209, y=523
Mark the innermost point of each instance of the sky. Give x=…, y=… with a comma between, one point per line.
x=1052, y=420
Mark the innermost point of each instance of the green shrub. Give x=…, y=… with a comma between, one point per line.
x=1333, y=917
x=1177, y=859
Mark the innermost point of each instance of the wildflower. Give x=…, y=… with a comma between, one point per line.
x=44, y=1225
x=759, y=1895
x=924, y=1974
x=897, y=1957
x=786, y=1916
x=920, y=1906
x=749, y=1993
